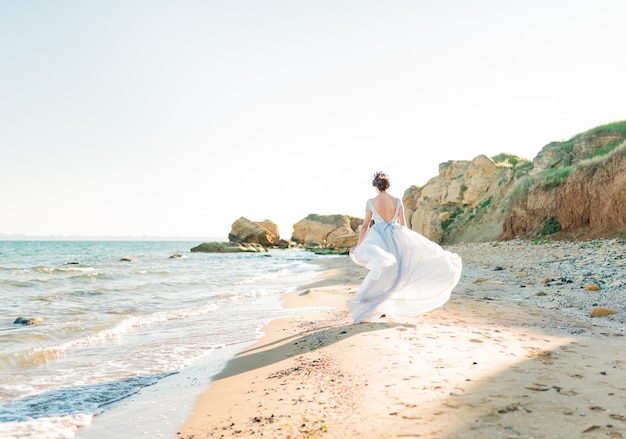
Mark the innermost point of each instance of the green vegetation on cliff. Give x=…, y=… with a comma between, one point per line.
x=617, y=129
x=519, y=165
x=588, y=153
x=557, y=175
x=553, y=177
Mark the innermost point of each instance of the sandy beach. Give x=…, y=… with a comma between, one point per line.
x=515, y=353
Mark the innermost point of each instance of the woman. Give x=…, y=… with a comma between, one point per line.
x=408, y=274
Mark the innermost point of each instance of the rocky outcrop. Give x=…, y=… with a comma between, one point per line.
x=264, y=233
x=228, y=247
x=325, y=230
x=246, y=237
x=462, y=188
x=571, y=189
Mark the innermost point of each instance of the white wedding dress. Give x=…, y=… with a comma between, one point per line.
x=408, y=273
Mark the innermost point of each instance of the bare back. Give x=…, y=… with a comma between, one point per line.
x=385, y=205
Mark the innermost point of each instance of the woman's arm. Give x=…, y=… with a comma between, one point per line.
x=401, y=218
x=365, y=227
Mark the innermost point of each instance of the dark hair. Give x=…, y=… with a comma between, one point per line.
x=381, y=181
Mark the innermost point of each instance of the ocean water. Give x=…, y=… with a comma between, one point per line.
x=117, y=331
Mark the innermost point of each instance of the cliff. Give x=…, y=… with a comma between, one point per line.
x=571, y=190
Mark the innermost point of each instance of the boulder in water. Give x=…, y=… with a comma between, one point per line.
x=27, y=322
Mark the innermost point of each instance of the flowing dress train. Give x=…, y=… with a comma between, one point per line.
x=407, y=273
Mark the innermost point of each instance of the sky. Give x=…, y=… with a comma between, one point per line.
x=175, y=118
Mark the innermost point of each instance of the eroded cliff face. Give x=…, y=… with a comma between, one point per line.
x=590, y=204
x=574, y=189
x=594, y=197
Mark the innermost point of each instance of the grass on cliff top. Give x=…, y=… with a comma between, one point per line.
x=590, y=165
x=519, y=165
x=505, y=159
x=610, y=128
x=554, y=177
x=614, y=128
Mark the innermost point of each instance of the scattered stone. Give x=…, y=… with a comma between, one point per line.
x=27, y=322
x=538, y=387
x=509, y=408
x=592, y=287
x=592, y=428
x=565, y=267
x=540, y=293
x=601, y=312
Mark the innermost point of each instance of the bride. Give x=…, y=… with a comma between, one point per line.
x=407, y=273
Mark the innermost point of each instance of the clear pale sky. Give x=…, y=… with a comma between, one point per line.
x=175, y=118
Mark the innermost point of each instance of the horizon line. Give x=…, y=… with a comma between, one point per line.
x=27, y=237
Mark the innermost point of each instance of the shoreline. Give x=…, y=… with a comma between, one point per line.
x=498, y=360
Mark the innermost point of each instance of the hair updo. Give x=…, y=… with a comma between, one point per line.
x=381, y=181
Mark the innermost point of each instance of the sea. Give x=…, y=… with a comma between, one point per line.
x=131, y=332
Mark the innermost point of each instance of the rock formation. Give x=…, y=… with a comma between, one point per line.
x=326, y=230
x=574, y=189
x=345, y=242
x=245, y=237
x=461, y=188
x=264, y=233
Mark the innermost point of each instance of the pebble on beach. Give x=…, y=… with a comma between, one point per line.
x=601, y=312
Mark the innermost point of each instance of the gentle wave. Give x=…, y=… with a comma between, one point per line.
x=45, y=428
x=43, y=354
x=84, y=399
x=50, y=270
x=106, y=321
x=16, y=283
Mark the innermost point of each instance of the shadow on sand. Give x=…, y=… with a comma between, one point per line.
x=262, y=355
